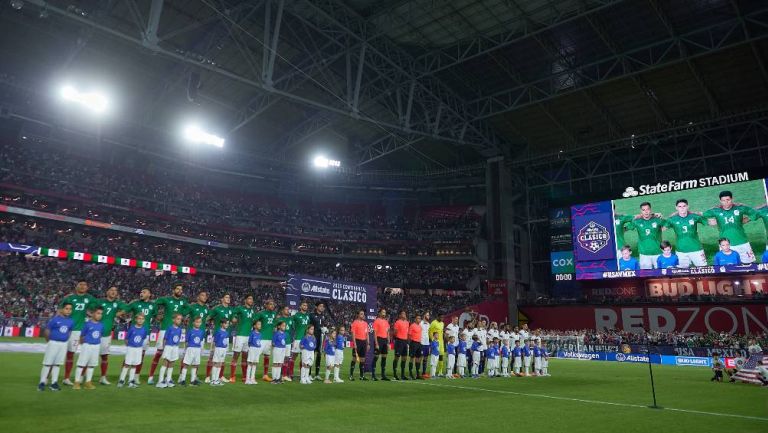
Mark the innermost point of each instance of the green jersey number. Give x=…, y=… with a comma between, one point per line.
x=79, y=307
x=729, y=220
x=647, y=232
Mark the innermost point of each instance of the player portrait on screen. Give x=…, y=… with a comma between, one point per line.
x=692, y=222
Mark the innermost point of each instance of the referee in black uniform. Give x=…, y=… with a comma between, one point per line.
x=317, y=318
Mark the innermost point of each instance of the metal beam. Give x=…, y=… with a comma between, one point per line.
x=391, y=67
x=481, y=137
x=600, y=29
x=150, y=34
x=444, y=58
x=714, y=107
x=273, y=40
x=385, y=145
x=699, y=42
x=753, y=46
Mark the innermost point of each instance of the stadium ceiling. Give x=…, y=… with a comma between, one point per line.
x=408, y=84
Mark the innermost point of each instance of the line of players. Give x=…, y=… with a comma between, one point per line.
x=729, y=217
x=86, y=322
x=469, y=351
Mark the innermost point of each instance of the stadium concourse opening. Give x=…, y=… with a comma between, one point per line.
x=299, y=212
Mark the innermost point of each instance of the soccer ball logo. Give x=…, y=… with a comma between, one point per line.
x=95, y=334
x=593, y=237
x=137, y=339
x=175, y=338
x=630, y=192
x=63, y=329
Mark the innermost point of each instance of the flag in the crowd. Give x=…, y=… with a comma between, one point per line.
x=128, y=262
x=52, y=252
x=148, y=265
x=11, y=331
x=111, y=260
x=32, y=331
x=74, y=255
x=103, y=259
x=749, y=373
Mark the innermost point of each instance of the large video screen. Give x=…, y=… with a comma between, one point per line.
x=712, y=225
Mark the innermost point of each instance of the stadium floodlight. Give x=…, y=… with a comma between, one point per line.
x=93, y=101
x=321, y=161
x=195, y=134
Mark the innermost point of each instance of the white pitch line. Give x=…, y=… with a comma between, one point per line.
x=609, y=403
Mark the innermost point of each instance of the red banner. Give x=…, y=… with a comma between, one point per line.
x=596, y=289
x=737, y=286
x=746, y=285
x=699, y=318
x=491, y=311
x=497, y=288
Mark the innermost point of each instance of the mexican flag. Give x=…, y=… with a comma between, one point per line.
x=128, y=262
x=103, y=259
x=74, y=255
x=52, y=252
x=169, y=268
x=111, y=260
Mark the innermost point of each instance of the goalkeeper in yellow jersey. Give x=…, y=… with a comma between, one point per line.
x=436, y=327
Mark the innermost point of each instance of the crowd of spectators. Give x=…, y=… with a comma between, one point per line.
x=160, y=199
x=617, y=338
x=413, y=275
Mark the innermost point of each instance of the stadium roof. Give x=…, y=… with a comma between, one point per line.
x=402, y=85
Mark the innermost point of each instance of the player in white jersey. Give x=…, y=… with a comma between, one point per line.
x=504, y=335
x=514, y=335
x=452, y=330
x=493, y=332
x=424, y=342
x=524, y=334
x=482, y=337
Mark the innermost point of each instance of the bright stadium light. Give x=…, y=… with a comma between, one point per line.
x=321, y=161
x=195, y=134
x=93, y=101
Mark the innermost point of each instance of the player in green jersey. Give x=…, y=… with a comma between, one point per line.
x=288, y=364
x=729, y=218
x=145, y=306
x=243, y=319
x=648, y=228
x=267, y=319
x=82, y=303
x=620, y=222
x=300, y=325
x=219, y=313
x=685, y=225
x=171, y=305
x=111, y=307
x=763, y=213
x=198, y=309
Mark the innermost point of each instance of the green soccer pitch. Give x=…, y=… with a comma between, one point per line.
x=751, y=194
x=580, y=396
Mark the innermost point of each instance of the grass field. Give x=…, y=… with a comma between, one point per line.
x=581, y=396
x=748, y=193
